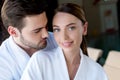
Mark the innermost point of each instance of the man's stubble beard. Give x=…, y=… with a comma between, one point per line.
x=39, y=46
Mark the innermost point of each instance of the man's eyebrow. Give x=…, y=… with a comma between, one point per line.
x=38, y=29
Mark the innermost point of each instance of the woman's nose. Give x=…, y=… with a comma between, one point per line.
x=64, y=35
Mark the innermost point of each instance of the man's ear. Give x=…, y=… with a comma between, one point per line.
x=12, y=31
x=85, y=26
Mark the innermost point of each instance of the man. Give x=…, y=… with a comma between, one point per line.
x=25, y=21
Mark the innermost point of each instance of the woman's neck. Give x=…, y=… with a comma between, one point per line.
x=72, y=57
x=72, y=62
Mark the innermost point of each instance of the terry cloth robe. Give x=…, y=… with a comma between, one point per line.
x=13, y=59
x=51, y=65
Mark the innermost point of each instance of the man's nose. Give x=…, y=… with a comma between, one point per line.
x=44, y=33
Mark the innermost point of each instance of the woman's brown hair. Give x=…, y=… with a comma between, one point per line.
x=78, y=12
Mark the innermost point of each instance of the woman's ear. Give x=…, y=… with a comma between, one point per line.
x=85, y=26
x=12, y=31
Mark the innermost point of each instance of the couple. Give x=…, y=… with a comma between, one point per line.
x=29, y=35
x=68, y=61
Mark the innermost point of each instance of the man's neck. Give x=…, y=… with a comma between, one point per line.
x=28, y=50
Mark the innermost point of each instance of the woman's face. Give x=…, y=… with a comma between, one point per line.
x=68, y=31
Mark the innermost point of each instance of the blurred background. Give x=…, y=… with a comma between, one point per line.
x=103, y=17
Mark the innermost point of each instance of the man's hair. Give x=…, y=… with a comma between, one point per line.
x=14, y=11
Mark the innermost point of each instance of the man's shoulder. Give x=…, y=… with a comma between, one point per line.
x=3, y=46
x=6, y=61
x=5, y=52
x=50, y=34
x=50, y=37
x=51, y=43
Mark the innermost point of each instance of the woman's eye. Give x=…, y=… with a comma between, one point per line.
x=56, y=30
x=71, y=28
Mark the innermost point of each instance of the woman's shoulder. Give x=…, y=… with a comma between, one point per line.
x=91, y=62
x=93, y=65
x=94, y=68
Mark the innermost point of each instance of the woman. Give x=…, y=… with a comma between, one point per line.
x=69, y=61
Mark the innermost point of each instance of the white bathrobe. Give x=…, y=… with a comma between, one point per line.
x=13, y=59
x=51, y=65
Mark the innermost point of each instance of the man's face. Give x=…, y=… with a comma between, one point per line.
x=34, y=33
